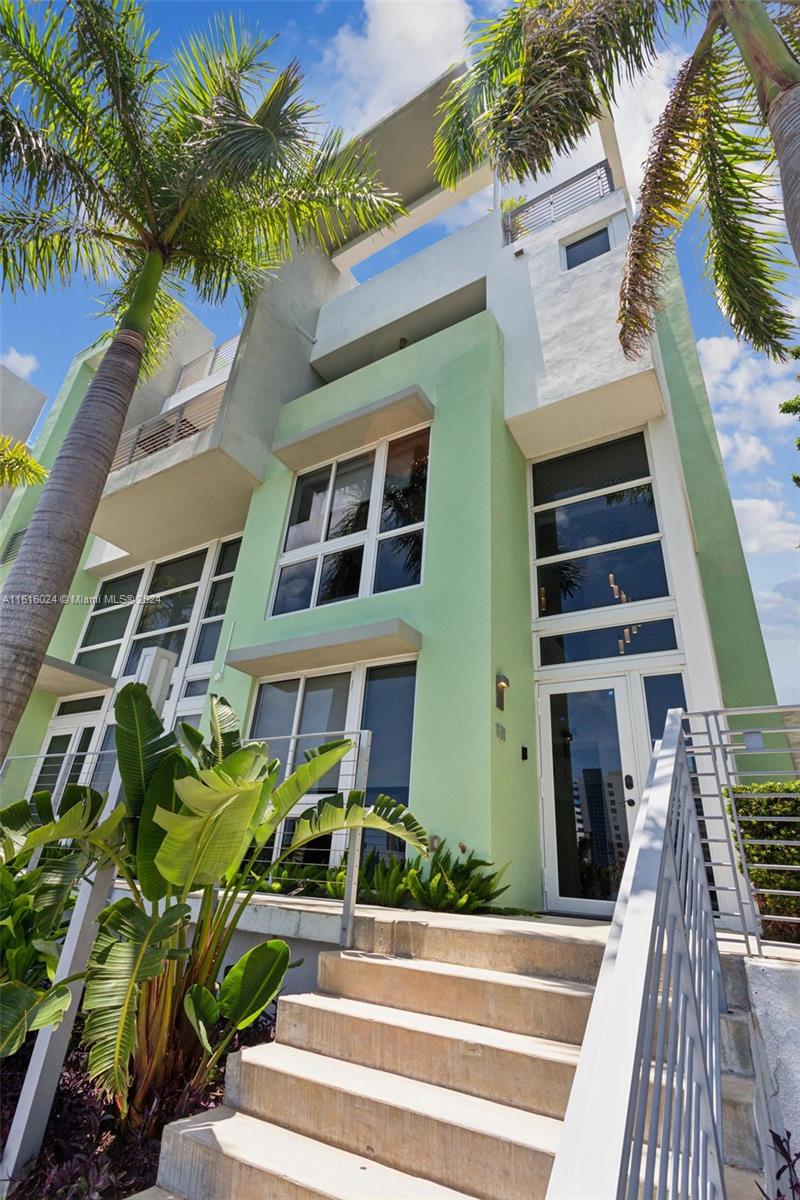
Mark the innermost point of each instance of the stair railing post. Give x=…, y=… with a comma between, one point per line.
x=32, y=1113
x=354, y=843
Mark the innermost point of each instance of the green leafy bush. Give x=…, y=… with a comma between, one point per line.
x=454, y=884
x=759, y=800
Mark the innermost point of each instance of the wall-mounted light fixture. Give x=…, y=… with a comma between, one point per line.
x=501, y=687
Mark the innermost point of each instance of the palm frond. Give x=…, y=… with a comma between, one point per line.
x=41, y=248
x=665, y=202
x=18, y=467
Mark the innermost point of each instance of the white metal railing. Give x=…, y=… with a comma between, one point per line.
x=558, y=202
x=183, y=421
x=644, y=1114
x=206, y=364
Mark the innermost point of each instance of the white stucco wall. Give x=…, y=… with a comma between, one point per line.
x=774, y=989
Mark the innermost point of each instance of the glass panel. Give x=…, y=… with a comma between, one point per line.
x=119, y=591
x=207, y=642
x=196, y=687
x=308, y=509
x=586, y=248
x=636, y=573
x=615, y=517
x=177, y=572
x=662, y=692
x=350, y=504
x=107, y=626
x=406, y=480
x=51, y=763
x=174, y=609
x=295, y=585
x=80, y=757
x=104, y=763
x=587, y=470
x=228, y=557
x=607, y=643
x=399, y=562
x=389, y=712
x=98, y=660
x=218, y=598
x=341, y=575
x=591, y=822
x=83, y=704
x=168, y=641
x=323, y=716
x=274, y=714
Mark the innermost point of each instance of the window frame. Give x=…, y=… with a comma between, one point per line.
x=369, y=538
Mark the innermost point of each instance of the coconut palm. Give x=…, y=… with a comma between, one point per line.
x=546, y=69
x=18, y=467
x=205, y=174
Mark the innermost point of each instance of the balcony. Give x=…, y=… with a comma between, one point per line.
x=182, y=477
x=551, y=206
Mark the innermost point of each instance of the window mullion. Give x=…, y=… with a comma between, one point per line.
x=589, y=551
x=374, y=519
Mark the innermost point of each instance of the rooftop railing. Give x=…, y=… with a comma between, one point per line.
x=183, y=421
x=559, y=202
x=207, y=364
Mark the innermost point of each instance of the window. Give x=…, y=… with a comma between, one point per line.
x=356, y=527
x=596, y=530
x=648, y=637
x=109, y=622
x=586, y=248
x=214, y=611
x=662, y=692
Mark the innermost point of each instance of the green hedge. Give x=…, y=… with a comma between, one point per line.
x=751, y=801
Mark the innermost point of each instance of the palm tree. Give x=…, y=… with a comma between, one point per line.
x=546, y=69
x=18, y=467
x=206, y=174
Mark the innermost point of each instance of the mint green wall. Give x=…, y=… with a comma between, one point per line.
x=472, y=609
x=742, y=662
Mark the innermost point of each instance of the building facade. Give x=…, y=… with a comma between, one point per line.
x=439, y=505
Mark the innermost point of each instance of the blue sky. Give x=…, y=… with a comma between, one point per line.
x=360, y=60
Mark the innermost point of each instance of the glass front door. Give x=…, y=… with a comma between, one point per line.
x=591, y=789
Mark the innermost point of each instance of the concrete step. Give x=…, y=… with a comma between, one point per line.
x=511, y=1068
x=156, y=1193
x=461, y=1141
x=555, y=949
x=501, y=1000
x=226, y=1155
x=741, y=1145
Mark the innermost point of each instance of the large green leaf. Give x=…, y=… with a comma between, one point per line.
x=160, y=794
x=75, y=793
x=253, y=982
x=75, y=824
x=319, y=761
x=141, y=745
x=225, y=733
x=130, y=948
x=203, y=1012
x=332, y=813
x=24, y=1009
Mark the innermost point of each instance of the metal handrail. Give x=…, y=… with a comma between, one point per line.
x=558, y=202
x=207, y=364
x=183, y=421
x=644, y=1117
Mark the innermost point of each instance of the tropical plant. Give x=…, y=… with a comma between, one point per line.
x=777, y=807
x=148, y=178
x=160, y=1009
x=454, y=884
x=383, y=881
x=788, y=1173
x=18, y=467
x=545, y=70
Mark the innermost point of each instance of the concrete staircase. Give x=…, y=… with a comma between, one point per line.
x=435, y=1061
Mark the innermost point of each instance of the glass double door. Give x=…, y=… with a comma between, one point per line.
x=591, y=785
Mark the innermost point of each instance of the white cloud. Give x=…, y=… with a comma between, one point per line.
x=766, y=526
x=399, y=48
x=638, y=107
x=779, y=609
x=743, y=451
x=21, y=364
x=745, y=388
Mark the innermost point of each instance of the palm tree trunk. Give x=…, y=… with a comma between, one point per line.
x=776, y=74
x=38, y=585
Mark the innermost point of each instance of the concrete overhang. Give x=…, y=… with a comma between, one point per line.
x=60, y=678
x=334, y=648
x=401, y=148
x=340, y=435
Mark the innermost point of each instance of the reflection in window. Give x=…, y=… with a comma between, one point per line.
x=211, y=622
x=662, y=692
x=341, y=575
x=597, y=580
x=399, y=562
x=587, y=248
x=615, y=517
x=351, y=491
x=308, y=509
x=406, y=482
x=648, y=637
x=295, y=587
x=606, y=465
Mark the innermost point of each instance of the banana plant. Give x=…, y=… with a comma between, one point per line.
x=188, y=837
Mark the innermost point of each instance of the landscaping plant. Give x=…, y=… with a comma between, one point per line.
x=454, y=884
x=159, y=1008
x=776, y=803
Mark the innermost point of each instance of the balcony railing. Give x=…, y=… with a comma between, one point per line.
x=551, y=206
x=213, y=360
x=183, y=421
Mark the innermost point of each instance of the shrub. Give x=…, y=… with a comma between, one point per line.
x=759, y=800
x=454, y=884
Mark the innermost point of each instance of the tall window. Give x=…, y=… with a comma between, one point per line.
x=356, y=527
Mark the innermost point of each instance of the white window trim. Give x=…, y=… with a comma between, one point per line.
x=369, y=538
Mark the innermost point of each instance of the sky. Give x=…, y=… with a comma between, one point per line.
x=361, y=58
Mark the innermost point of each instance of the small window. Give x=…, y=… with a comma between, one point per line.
x=586, y=248
x=83, y=704
x=648, y=637
x=662, y=692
